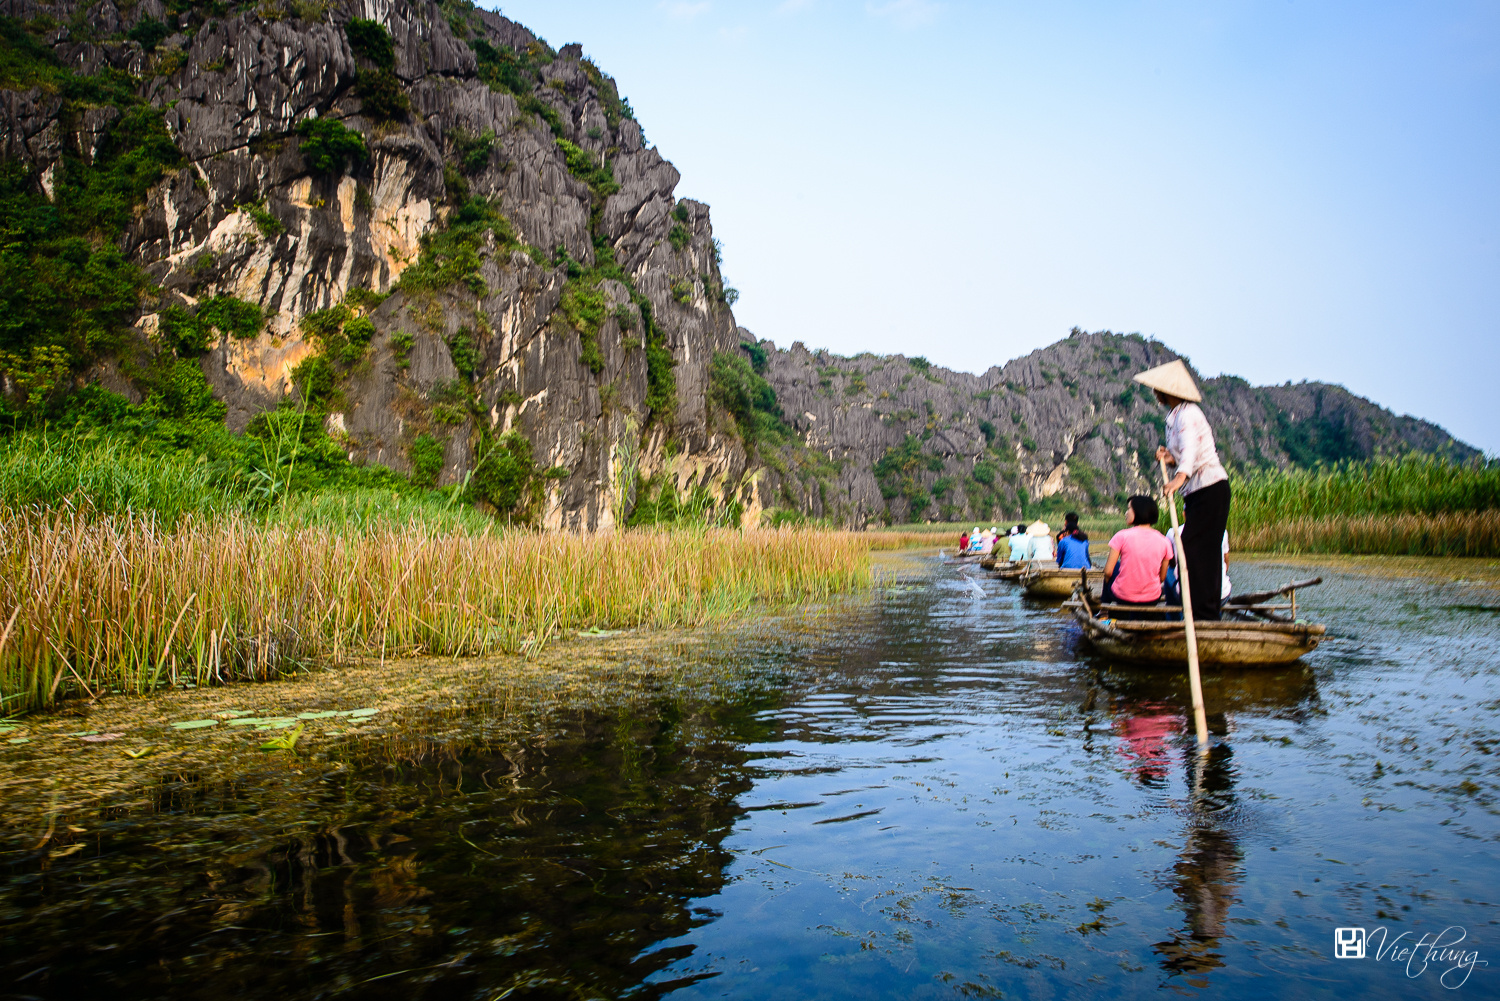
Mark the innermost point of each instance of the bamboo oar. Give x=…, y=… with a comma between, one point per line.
x=1200, y=719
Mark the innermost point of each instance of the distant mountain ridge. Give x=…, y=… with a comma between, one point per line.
x=914, y=441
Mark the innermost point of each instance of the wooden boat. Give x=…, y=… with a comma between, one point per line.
x=1004, y=569
x=1051, y=582
x=1250, y=634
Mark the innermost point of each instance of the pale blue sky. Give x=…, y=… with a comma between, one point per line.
x=1281, y=190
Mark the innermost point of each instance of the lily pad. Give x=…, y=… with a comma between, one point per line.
x=276, y=724
x=8, y=729
x=357, y=713
x=325, y=714
x=594, y=632
x=81, y=733
x=194, y=724
x=99, y=738
x=19, y=740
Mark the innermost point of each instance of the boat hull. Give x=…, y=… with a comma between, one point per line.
x=1226, y=643
x=1056, y=584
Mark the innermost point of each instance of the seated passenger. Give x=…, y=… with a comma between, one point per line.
x=1040, y=548
x=963, y=543
x=1073, y=550
x=1019, y=544
x=1138, y=557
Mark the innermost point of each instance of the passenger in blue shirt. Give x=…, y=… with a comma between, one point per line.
x=1020, y=544
x=1073, y=551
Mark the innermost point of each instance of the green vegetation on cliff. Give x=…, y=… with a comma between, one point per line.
x=749, y=400
x=382, y=96
x=67, y=292
x=899, y=474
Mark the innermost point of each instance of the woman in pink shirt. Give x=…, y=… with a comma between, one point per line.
x=1138, y=557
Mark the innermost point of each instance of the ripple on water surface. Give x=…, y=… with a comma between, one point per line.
x=936, y=791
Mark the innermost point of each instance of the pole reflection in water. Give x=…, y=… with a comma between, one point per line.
x=1207, y=872
x=1152, y=731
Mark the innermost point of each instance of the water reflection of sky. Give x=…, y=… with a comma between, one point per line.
x=972, y=804
x=942, y=794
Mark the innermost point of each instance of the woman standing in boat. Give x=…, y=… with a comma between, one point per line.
x=1201, y=478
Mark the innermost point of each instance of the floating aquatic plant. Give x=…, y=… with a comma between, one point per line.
x=286, y=742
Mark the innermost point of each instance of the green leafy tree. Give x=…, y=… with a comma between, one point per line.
x=381, y=95
x=328, y=145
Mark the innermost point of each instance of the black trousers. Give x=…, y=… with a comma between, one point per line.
x=1207, y=515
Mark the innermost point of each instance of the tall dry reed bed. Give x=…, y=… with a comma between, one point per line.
x=1462, y=533
x=1417, y=505
x=120, y=603
x=1414, y=484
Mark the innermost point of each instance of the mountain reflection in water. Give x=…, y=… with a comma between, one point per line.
x=938, y=793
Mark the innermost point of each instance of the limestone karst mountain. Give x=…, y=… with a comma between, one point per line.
x=913, y=441
x=451, y=230
x=454, y=244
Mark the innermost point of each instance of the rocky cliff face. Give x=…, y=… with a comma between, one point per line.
x=580, y=303
x=913, y=441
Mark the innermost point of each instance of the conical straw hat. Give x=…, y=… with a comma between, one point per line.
x=1039, y=529
x=1173, y=379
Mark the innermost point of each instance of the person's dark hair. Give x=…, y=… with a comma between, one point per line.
x=1146, y=511
x=1071, y=519
x=1080, y=535
x=1020, y=527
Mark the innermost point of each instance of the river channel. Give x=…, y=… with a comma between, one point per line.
x=932, y=791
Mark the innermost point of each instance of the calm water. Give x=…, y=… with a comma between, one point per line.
x=941, y=795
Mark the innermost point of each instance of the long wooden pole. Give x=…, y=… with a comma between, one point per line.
x=1195, y=681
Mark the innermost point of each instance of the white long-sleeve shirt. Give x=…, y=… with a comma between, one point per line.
x=1191, y=442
